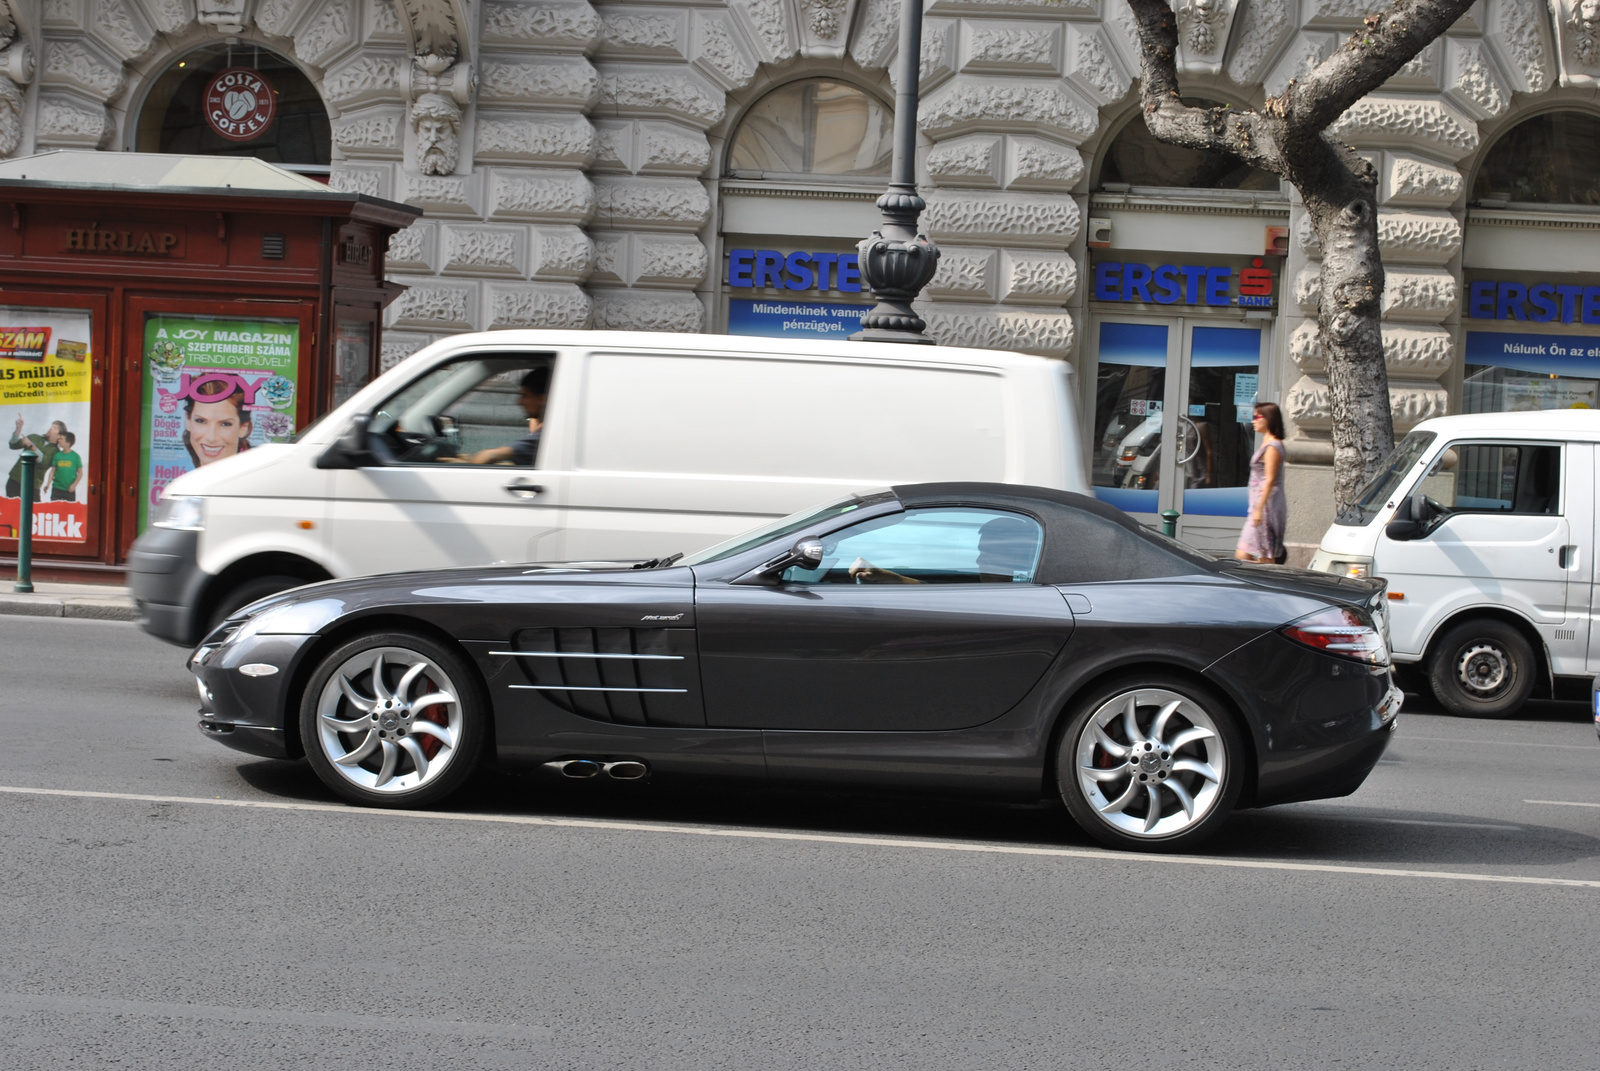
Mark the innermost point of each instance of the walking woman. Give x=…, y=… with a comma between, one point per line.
x=1262, y=538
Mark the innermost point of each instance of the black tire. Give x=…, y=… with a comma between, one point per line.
x=457, y=742
x=242, y=595
x=1482, y=669
x=1151, y=778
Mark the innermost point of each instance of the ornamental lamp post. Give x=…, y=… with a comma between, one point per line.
x=897, y=261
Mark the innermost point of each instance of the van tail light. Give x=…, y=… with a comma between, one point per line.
x=1343, y=631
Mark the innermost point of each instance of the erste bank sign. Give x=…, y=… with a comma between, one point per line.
x=817, y=274
x=1185, y=284
x=769, y=269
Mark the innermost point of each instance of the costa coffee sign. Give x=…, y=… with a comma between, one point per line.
x=240, y=104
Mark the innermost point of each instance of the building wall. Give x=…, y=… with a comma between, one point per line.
x=586, y=184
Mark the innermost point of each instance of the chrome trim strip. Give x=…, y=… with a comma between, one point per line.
x=582, y=654
x=575, y=688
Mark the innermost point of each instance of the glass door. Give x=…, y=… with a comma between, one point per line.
x=1172, y=423
x=1130, y=414
x=1222, y=379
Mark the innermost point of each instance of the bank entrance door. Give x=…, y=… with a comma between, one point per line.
x=1172, y=422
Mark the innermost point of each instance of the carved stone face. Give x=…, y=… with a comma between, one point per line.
x=1587, y=15
x=437, y=122
x=1204, y=10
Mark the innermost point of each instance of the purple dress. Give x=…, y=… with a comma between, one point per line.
x=1265, y=540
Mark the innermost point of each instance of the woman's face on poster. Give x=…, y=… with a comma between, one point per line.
x=215, y=429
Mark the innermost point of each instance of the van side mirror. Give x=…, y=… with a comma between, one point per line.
x=350, y=450
x=1410, y=520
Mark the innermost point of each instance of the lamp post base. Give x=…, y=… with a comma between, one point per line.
x=884, y=334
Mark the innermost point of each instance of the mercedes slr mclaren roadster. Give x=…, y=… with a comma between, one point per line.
x=1012, y=641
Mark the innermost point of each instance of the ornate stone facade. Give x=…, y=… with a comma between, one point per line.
x=568, y=153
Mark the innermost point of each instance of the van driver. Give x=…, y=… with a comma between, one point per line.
x=533, y=393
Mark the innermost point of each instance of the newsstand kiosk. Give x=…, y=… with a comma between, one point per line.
x=158, y=313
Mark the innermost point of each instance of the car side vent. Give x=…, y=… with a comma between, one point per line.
x=272, y=246
x=645, y=676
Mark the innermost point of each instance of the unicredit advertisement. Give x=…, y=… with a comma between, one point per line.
x=213, y=388
x=46, y=376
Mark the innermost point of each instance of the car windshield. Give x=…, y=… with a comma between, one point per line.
x=1376, y=494
x=795, y=522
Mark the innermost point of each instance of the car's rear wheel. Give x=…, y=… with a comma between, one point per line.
x=1482, y=669
x=393, y=720
x=1152, y=763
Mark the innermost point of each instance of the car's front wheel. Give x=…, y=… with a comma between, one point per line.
x=1482, y=669
x=1152, y=763
x=393, y=720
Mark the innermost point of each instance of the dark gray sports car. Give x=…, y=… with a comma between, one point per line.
x=1006, y=640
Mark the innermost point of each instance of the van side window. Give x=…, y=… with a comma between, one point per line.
x=1496, y=478
x=930, y=546
x=482, y=410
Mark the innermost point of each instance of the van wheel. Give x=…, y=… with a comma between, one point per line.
x=1482, y=669
x=247, y=593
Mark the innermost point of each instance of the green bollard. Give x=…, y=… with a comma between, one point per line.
x=1169, y=523
x=24, y=584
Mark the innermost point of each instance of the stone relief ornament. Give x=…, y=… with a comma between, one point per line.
x=825, y=17
x=227, y=16
x=1578, y=26
x=436, y=121
x=1203, y=33
x=17, y=69
x=10, y=116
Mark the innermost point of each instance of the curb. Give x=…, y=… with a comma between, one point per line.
x=85, y=607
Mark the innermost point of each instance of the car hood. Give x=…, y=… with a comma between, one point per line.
x=337, y=597
x=1343, y=589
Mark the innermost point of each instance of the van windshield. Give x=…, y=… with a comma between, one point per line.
x=1375, y=496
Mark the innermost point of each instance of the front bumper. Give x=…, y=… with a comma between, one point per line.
x=254, y=714
x=168, y=583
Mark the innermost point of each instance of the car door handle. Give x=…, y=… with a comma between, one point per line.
x=1568, y=557
x=523, y=489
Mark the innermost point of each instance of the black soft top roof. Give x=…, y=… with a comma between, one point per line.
x=1086, y=540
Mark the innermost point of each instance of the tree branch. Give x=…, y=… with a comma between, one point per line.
x=1364, y=62
x=1249, y=135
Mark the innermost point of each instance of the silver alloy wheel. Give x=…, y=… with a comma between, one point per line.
x=1151, y=763
x=1484, y=670
x=389, y=720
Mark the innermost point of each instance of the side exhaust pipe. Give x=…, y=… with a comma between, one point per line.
x=583, y=769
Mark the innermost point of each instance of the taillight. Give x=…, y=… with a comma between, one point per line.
x=1342, y=631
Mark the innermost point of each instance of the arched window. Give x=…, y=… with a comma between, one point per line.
x=1138, y=159
x=816, y=128
x=1551, y=159
x=294, y=134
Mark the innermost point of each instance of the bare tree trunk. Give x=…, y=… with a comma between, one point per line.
x=1288, y=138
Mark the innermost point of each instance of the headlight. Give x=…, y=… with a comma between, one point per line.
x=1360, y=568
x=287, y=619
x=185, y=513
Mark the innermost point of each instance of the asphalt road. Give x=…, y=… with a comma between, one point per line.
x=1439, y=918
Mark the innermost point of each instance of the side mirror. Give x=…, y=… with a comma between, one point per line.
x=350, y=450
x=1410, y=520
x=807, y=554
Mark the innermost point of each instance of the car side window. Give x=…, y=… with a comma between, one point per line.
x=930, y=546
x=1495, y=478
x=482, y=410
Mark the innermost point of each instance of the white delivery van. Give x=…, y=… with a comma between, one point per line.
x=651, y=444
x=1484, y=527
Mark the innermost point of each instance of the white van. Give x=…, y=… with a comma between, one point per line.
x=651, y=444
x=1484, y=527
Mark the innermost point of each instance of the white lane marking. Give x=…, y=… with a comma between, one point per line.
x=1426, y=822
x=61, y=1004
x=810, y=838
x=1463, y=740
x=1563, y=803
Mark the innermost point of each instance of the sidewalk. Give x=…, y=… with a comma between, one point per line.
x=100, y=601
